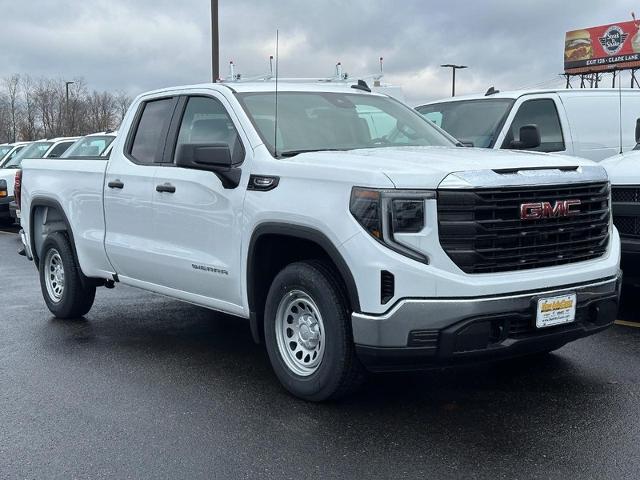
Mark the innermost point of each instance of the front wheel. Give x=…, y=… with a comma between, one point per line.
x=65, y=292
x=308, y=333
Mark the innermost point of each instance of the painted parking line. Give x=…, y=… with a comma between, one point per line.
x=627, y=324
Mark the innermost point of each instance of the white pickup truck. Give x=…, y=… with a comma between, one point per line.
x=352, y=233
x=624, y=172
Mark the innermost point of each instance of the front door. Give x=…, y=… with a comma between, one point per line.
x=198, y=221
x=545, y=114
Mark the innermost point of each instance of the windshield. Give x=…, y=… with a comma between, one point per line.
x=316, y=121
x=35, y=150
x=4, y=149
x=93, y=146
x=470, y=121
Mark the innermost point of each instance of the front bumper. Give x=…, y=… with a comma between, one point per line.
x=630, y=260
x=422, y=333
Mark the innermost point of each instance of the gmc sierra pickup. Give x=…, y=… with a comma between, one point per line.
x=352, y=233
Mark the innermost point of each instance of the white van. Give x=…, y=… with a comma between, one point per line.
x=581, y=122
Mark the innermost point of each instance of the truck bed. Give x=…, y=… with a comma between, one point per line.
x=77, y=186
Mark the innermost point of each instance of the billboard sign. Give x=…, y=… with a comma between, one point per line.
x=607, y=47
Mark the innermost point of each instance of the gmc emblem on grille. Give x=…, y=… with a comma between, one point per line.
x=538, y=210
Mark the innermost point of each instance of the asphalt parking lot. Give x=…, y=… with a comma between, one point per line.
x=147, y=387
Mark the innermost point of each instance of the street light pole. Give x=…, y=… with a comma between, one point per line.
x=453, y=69
x=66, y=107
x=215, y=42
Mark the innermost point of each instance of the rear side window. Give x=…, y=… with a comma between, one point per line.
x=151, y=132
x=544, y=114
x=206, y=121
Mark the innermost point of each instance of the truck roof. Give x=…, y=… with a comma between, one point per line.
x=515, y=94
x=270, y=86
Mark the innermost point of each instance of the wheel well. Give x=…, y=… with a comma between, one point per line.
x=269, y=253
x=45, y=220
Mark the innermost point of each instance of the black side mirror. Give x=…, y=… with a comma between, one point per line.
x=212, y=157
x=638, y=130
x=529, y=138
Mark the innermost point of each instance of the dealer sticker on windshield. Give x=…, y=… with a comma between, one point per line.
x=556, y=310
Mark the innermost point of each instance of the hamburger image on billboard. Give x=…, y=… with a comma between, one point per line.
x=577, y=46
x=602, y=48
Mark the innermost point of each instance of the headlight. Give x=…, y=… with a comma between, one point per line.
x=387, y=213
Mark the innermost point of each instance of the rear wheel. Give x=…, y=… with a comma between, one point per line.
x=65, y=290
x=308, y=333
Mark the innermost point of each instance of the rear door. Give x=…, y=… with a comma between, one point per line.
x=198, y=221
x=547, y=113
x=128, y=192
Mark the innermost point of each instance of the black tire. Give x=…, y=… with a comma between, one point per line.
x=339, y=372
x=77, y=294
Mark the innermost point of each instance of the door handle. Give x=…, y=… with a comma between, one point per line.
x=166, y=187
x=115, y=184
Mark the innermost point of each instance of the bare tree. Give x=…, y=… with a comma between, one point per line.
x=122, y=103
x=34, y=108
x=5, y=121
x=11, y=84
x=29, y=127
x=101, y=110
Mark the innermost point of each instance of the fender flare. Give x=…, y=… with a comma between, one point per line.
x=303, y=233
x=49, y=202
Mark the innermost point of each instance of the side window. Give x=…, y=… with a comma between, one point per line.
x=59, y=149
x=206, y=121
x=544, y=114
x=151, y=132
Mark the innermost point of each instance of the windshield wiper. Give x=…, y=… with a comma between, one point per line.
x=293, y=153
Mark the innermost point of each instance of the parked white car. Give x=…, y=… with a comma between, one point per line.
x=578, y=122
x=40, y=149
x=624, y=172
x=92, y=145
x=349, y=231
x=12, y=152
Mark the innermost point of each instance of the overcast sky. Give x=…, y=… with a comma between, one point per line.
x=138, y=45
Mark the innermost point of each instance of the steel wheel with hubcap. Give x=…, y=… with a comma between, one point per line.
x=307, y=330
x=66, y=291
x=54, y=275
x=300, y=333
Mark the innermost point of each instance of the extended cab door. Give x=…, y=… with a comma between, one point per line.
x=545, y=111
x=198, y=220
x=128, y=192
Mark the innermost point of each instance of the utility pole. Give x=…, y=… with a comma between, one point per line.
x=66, y=107
x=453, y=69
x=215, y=42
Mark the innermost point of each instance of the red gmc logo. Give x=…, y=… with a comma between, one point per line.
x=537, y=210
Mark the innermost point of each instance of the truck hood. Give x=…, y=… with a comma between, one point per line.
x=623, y=169
x=427, y=167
